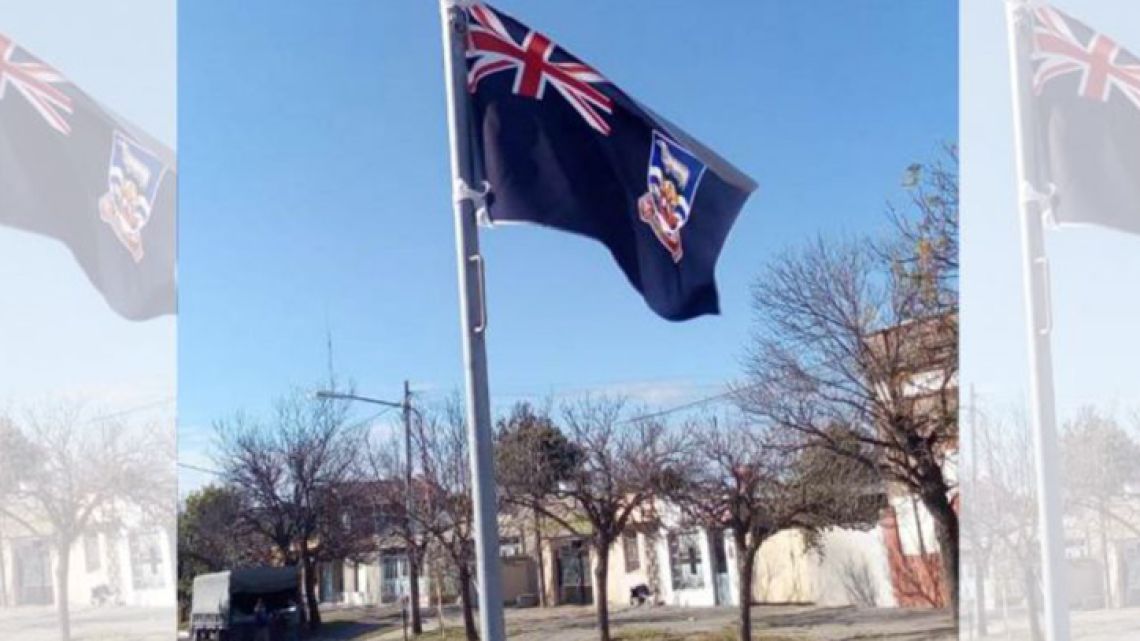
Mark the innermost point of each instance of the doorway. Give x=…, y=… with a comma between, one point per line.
x=575, y=582
x=722, y=586
x=33, y=580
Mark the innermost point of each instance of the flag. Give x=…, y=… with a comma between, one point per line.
x=72, y=170
x=1084, y=121
x=561, y=146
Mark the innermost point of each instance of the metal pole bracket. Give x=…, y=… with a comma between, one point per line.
x=1044, y=201
x=478, y=198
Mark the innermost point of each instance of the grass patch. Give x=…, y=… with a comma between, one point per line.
x=727, y=633
x=644, y=634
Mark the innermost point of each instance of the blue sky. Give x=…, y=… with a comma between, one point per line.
x=315, y=188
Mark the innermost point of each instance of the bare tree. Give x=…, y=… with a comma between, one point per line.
x=923, y=251
x=87, y=469
x=295, y=474
x=385, y=465
x=1100, y=462
x=443, y=510
x=838, y=358
x=18, y=458
x=1002, y=508
x=532, y=457
x=740, y=480
x=624, y=467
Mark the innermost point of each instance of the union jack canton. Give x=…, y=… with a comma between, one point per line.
x=1101, y=64
x=536, y=62
x=36, y=82
x=1083, y=120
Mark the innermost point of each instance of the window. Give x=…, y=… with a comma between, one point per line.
x=685, y=560
x=510, y=546
x=631, y=552
x=147, y=566
x=395, y=566
x=385, y=523
x=91, y=552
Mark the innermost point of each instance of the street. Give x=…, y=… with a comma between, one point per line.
x=88, y=624
x=1096, y=625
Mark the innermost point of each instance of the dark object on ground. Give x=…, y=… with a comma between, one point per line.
x=526, y=600
x=639, y=594
x=102, y=595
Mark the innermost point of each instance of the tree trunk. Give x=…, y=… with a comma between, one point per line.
x=981, y=623
x=309, y=568
x=414, y=583
x=465, y=596
x=63, y=581
x=1108, y=604
x=946, y=530
x=3, y=571
x=1031, y=589
x=745, y=565
x=601, y=592
x=438, y=579
x=539, y=556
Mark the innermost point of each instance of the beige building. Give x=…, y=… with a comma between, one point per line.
x=692, y=566
x=382, y=578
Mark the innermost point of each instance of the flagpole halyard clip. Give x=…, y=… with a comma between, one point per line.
x=482, y=326
x=1044, y=200
x=1042, y=263
x=478, y=198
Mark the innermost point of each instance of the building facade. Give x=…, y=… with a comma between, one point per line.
x=126, y=563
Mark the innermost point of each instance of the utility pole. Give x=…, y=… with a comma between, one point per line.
x=980, y=622
x=409, y=529
x=405, y=406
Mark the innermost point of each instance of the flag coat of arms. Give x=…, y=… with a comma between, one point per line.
x=1084, y=125
x=561, y=146
x=72, y=170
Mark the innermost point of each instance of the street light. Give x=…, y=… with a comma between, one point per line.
x=413, y=566
x=354, y=397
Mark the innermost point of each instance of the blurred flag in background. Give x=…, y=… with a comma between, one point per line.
x=72, y=170
x=1085, y=122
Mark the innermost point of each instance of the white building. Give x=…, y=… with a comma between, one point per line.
x=128, y=563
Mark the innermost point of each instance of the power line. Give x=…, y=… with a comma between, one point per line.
x=195, y=468
x=650, y=415
x=685, y=406
x=169, y=400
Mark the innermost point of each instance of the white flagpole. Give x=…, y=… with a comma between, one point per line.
x=1035, y=280
x=473, y=314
